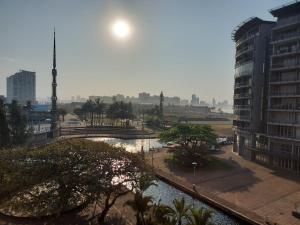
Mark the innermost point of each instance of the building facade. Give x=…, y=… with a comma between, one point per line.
x=252, y=38
x=21, y=87
x=269, y=130
x=284, y=89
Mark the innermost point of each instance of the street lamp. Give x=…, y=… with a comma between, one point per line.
x=194, y=187
x=152, y=151
x=194, y=165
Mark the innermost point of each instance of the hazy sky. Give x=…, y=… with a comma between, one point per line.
x=178, y=46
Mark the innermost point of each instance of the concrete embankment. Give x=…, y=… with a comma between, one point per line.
x=245, y=216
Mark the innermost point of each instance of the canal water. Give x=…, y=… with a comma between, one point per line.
x=163, y=191
x=131, y=145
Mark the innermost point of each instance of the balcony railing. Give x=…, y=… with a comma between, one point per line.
x=242, y=95
x=287, y=22
x=289, y=107
x=275, y=152
x=284, y=80
x=285, y=65
x=243, y=50
x=241, y=107
x=288, y=122
x=242, y=84
x=285, y=94
x=286, y=36
x=286, y=51
x=242, y=117
x=243, y=39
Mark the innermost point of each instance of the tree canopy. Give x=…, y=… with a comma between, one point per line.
x=189, y=135
x=65, y=174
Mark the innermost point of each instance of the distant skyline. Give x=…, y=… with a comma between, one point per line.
x=179, y=47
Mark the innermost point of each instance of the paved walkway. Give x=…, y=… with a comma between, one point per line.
x=268, y=193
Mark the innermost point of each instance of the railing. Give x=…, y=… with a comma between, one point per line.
x=242, y=95
x=285, y=36
x=276, y=79
x=285, y=65
x=287, y=21
x=238, y=107
x=241, y=84
x=243, y=50
x=285, y=122
x=244, y=38
x=283, y=94
x=285, y=107
x=242, y=117
x=279, y=52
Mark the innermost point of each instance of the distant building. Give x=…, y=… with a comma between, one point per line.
x=195, y=100
x=2, y=97
x=21, y=87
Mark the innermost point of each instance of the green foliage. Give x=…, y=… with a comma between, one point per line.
x=4, y=129
x=17, y=123
x=179, y=213
x=189, y=135
x=65, y=174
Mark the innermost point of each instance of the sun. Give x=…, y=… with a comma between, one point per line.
x=121, y=29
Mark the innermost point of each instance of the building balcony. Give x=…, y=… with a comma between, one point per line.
x=245, y=118
x=239, y=85
x=285, y=38
x=274, y=152
x=286, y=52
x=291, y=94
x=242, y=95
x=287, y=22
x=244, y=40
x=289, y=137
x=280, y=81
x=241, y=107
x=244, y=50
x=285, y=108
x=284, y=66
x=290, y=123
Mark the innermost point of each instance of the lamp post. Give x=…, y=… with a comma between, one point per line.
x=194, y=187
x=152, y=159
x=194, y=165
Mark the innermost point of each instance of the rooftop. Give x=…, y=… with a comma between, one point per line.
x=286, y=9
x=246, y=25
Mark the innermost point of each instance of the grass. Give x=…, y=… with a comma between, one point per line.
x=223, y=129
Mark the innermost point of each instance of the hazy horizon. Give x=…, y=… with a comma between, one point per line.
x=178, y=47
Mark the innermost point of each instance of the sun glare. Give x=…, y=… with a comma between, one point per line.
x=121, y=29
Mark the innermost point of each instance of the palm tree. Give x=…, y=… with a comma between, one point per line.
x=199, y=217
x=99, y=109
x=141, y=205
x=180, y=210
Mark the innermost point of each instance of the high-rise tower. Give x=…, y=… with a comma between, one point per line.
x=54, y=97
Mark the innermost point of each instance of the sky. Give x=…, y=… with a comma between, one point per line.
x=180, y=47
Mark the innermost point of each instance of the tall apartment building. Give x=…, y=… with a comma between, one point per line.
x=284, y=89
x=252, y=38
x=267, y=93
x=21, y=87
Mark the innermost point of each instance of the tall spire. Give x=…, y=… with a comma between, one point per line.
x=54, y=52
x=53, y=127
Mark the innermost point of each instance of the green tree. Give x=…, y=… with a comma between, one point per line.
x=99, y=110
x=199, y=216
x=4, y=129
x=69, y=173
x=161, y=105
x=62, y=112
x=17, y=124
x=189, y=135
x=141, y=205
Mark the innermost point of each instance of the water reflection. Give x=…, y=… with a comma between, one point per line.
x=167, y=193
x=131, y=145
